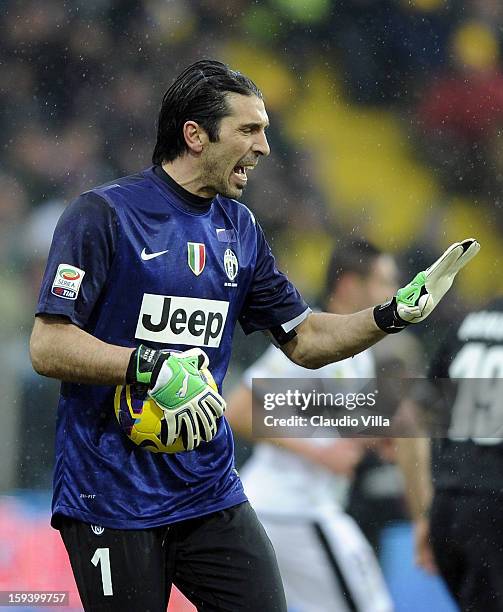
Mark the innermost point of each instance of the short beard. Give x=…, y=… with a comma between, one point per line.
x=230, y=192
x=224, y=188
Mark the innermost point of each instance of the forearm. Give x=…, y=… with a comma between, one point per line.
x=239, y=411
x=61, y=350
x=325, y=338
x=413, y=458
x=240, y=416
x=340, y=457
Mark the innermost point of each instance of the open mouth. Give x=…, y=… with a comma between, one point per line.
x=240, y=172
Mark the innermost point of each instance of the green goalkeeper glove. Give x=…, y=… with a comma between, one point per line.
x=414, y=302
x=180, y=384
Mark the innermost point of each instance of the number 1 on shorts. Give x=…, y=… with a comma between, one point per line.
x=102, y=556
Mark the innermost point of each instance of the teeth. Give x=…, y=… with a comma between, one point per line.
x=241, y=169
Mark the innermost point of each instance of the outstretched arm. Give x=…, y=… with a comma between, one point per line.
x=324, y=338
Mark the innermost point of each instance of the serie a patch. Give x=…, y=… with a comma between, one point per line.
x=67, y=282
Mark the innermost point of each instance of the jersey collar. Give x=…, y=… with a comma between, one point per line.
x=188, y=201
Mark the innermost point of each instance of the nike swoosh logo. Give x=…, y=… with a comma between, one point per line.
x=147, y=256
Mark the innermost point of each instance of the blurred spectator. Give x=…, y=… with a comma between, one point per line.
x=386, y=46
x=462, y=110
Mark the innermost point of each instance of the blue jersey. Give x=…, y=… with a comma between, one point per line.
x=137, y=261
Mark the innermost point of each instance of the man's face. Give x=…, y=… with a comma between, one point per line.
x=242, y=140
x=381, y=283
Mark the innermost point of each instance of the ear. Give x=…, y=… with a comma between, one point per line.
x=195, y=136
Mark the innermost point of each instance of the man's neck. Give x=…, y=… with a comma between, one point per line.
x=186, y=175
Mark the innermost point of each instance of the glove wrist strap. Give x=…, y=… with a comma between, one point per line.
x=131, y=368
x=387, y=319
x=141, y=365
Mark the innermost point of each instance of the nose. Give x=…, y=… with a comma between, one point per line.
x=261, y=145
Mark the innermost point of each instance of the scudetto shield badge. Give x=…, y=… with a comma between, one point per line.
x=231, y=264
x=196, y=253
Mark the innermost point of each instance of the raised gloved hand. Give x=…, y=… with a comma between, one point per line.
x=414, y=302
x=181, y=384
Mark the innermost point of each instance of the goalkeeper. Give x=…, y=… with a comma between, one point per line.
x=168, y=260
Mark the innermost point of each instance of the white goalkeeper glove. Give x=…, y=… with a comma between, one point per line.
x=180, y=384
x=414, y=302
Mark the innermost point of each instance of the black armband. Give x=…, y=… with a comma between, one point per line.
x=281, y=336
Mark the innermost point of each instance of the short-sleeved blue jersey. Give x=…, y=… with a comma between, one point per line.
x=143, y=261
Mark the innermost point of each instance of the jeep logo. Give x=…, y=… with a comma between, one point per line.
x=181, y=320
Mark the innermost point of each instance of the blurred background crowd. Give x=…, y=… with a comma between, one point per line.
x=386, y=121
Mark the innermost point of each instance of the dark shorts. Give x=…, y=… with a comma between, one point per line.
x=222, y=561
x=467, y=540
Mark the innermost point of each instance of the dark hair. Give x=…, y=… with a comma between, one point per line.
x=198, y=94
x=355, y=255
